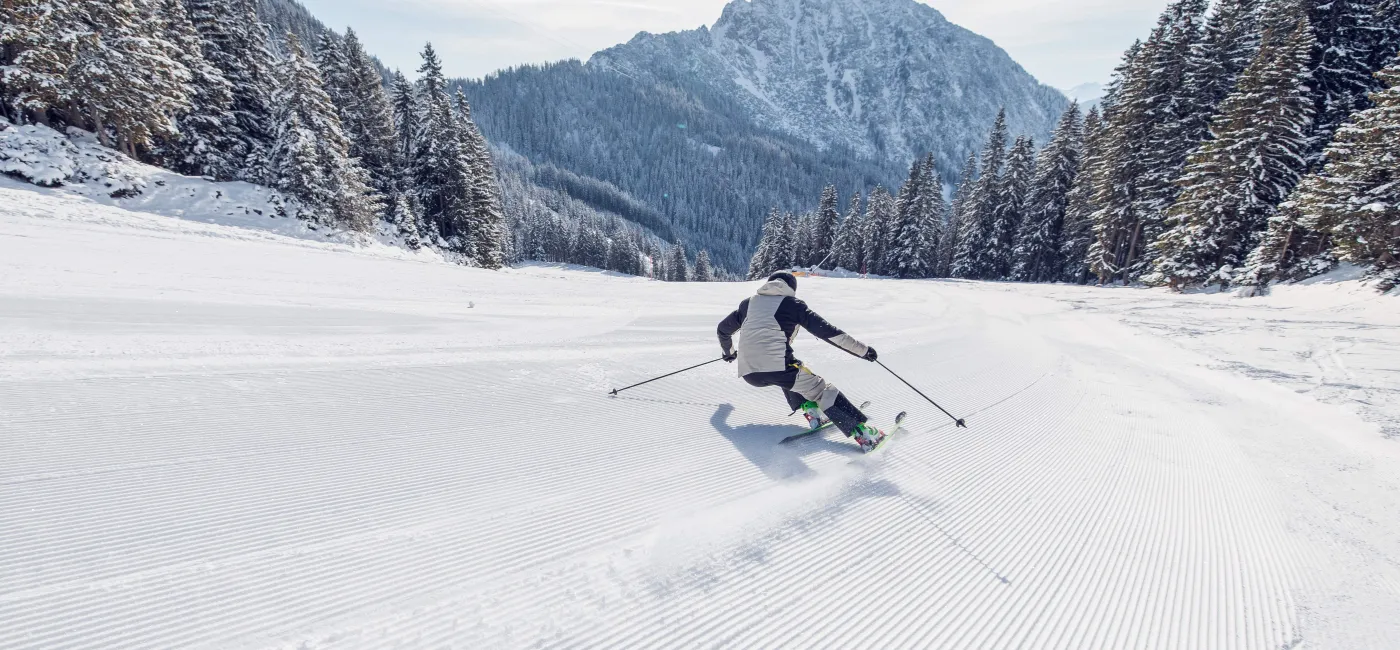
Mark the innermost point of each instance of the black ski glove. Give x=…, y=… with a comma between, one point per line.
x=870, y=354
x=729, y=357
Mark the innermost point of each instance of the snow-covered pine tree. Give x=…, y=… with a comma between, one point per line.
x=1229, y=41
x=311, y=155
x=405, y=216
x=903, y=257
x=973, y=258
x=487, y=217
x=236, y=43
x=1118, y=223
x=1078, y=234
x=1173, y=109
x=335, y=70
x=762, y=264
x=1353, y=203
x=824, y=226
x=408, y=118
x=442, y=170
x=1348, y=34
x=205, y=145
x=804, y=240
x=785, y=245
x=125, y=77
x=368, y=117
x=1037, y=253
x=1235, y=181
x=704, y=271
x=956, y=218
x=932, y=217
x=36, y=50
x=679, y=264
x=849, y=247
x=624, y=256
x=880, y=215
x=1010, y=210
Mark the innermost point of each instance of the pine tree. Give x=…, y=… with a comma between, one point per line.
x=973, y=259
x=487, y=220
x=902, y=257
x=1078, y=234
x=205, y=144
x=1118, y=221
x=850, y=238
x=441, y=168
x=932, y=217
x=880, y=216
x=918, y=225
x=1173, y=108
x=1353, y=203
x=1235, y=181
x=369, y=118
x=1008, y=214
x=125, y=77
x=236, y=43
x=762, y=263
x=405, y=215
x=311, y=159
x=1230, y=40
x=1349, y=34
x=804, y=240
x=1037, y=253
x=704, y=272
x=785, y=245
x=678, y=266
x=37, y=42
x=956, y=221
x=824, y=226
x=335, y=70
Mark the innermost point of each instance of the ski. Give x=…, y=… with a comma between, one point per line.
x=807, y=433
x=898, y=424
x=812, y=432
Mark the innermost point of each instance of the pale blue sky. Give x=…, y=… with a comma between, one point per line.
x=1062, y=42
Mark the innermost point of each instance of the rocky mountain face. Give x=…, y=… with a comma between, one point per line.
x=885, y=78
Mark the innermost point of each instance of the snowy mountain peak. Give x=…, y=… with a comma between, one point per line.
x=885, y=78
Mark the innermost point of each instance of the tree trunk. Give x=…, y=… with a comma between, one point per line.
x=99, y=127
x=1132, y=249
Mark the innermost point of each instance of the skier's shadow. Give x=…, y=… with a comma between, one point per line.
x=759, y=444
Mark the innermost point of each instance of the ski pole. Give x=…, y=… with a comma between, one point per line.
x=619, y=390
x=921, y=394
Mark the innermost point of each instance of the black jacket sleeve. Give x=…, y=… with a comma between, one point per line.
x=820, y=328
x=730, y=325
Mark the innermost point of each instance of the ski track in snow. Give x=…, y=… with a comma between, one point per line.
x=212, y=438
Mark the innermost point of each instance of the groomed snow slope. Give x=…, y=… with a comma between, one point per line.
x=216, y=437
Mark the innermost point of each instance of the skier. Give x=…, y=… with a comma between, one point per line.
x=767, y=323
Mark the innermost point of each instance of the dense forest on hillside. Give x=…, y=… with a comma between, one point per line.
x=1237, y=146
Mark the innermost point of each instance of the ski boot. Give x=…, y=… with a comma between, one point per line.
x=815, y=418
x=867, y=437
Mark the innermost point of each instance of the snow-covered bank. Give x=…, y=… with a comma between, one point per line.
x=76, y=166
x=217, y=438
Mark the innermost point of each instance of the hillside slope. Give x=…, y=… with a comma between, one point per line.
x=711, y=128
x=211, y=438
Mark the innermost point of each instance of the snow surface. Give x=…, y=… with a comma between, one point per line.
x=78, y=166
x=217, y=436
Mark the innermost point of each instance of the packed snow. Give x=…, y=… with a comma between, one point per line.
x=225, y=436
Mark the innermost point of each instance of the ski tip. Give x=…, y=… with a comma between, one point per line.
x=865, y=405
x=899, y=419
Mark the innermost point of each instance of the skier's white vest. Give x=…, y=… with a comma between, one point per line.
x=762, y=344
